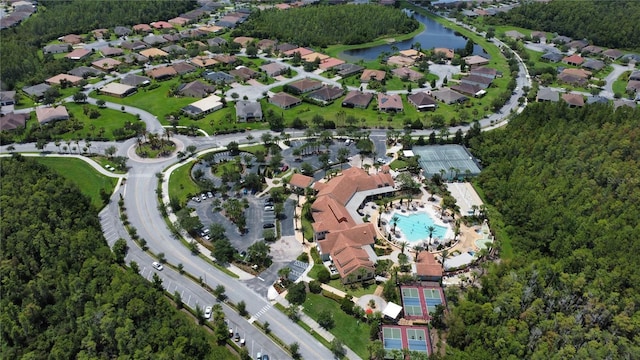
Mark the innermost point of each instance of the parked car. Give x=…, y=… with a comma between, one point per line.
x=268, y=208
x=209, y=194
x=157, y=266
x=259, y=356
x=237, y=337
x=207, y=312
x=242, y=342
x=265, y=357
x=268, y=225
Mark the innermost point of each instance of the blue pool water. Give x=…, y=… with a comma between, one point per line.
x=415, y=226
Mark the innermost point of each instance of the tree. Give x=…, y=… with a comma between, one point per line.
x=325, y=319
x=294, y=348
x=233, y=148
x=79, y=97
x=258, y=253
x=223, y=251
x=324, y=276
x=337, y=348
x=191, y=149
x=242, y=308
x=297, y=293
x=110, y=151
x=120, y=249
x=376, y=350
x=219, y=292
x=394, y=221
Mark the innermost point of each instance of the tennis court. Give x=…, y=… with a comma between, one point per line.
x=432, y=298
x=414, y=338
x=455, y=160
x=411, y=302
x=392, y=338
x=417, y=339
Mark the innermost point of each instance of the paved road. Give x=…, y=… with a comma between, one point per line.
x=613, y=76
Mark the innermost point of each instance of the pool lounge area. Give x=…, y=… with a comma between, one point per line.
x=412, y=226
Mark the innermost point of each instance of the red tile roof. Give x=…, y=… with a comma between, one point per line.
x=573, y=59
x=426, y=265
x=301, y=181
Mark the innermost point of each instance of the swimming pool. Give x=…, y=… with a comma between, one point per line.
x=415, y=226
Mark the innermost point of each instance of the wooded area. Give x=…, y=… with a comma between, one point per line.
x=19, y=46
x=566, y=182
x=614, y=24
x=63, y=295
x=328, y=25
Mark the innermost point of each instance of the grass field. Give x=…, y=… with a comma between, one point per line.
x=82, y=174
x=180, y=184
x=357, y=290
x=620, y=84
x=354, y=333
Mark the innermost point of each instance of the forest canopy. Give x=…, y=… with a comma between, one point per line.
x=566, y=183
x=63, y=295
x=328, y=25
x=19, y=45
x=614, y=24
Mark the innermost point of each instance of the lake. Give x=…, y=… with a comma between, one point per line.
x=434, y=35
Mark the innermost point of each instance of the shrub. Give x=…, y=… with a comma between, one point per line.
x=315, y=287
x=323, y=275
x=332, y=296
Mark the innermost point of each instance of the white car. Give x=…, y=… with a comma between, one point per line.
x=207, y=312
x=157, y=266
x=268, y=208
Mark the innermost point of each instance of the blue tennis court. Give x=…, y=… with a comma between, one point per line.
x=411, y=302
x=414, y=338
x=417, y=339
x=392, y=338
x=433, y=298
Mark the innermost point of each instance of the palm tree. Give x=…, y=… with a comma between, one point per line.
x=444, y=254
x=431, y=229
x=395, y=220
x=403, y=245
x=296, y=217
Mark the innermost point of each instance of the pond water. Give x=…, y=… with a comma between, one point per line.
x=434, y=35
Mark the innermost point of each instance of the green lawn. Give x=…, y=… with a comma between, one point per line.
x=398, y=164
x=357, y=290
x=82, y=174
x=181, y=186
x=354, y=333
x=620, y=84
x=336, y=50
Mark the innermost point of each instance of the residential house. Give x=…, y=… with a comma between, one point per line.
x=283, y=48
x=591, y=49
x=183, y=67
x=635, y=75
x=266, y=44
x=135, y=80
x=400, y=61
x=574, y=100
x=7, y=98
x=225, y=59
x=390, y=102
x=357, y=99
x=153, y=53
x=326, y=94
x=61, y=78
x=448, y=96
x=121, y=31
x=597, y=99
x=303, y=86
x=489, y=73
x=481, y=81
x=219, y=77
x=468, y=89
x=132, y=58
x=110, y=51
x=248, y=110
x=300, y=50
x=203, y=107
x=575, y=60
x=613, y=54
x=134, y=45
x=117, y=89
x=571, y=79
x=12, y=121
x=162, y=73
x=346, y=69
x=475, y=61
x=173, y=37
x=538, y=35
x=244, y=73
x=195, y=89
x=284, y=100
x=560, y=39
x=631, y=58
x=174, y=49
x=216, y=41
x=426, y=268
x=577, y=72
x=106, y=64
x=36, y=91
x=299, y=183
x=593, y=64
x=159, y=25
x=622, y=102
x=78, y=54
x=444, y=52
x=578, y=45
x=179, y=21
x=142, y=28
x=274, y=69
x=547, y=95
x=369, y=74
x=633, y=86
x=408, y=74
x=314, y=56
x=203, y=61
x=422, y=101
x=49, y=114
x=243, y=40
x=514, y=34
x=330, y=63
x=56, y=49
x=153, y=40
x=552, y=57
x=72, y=39
x=411, y=53
x=211, y=29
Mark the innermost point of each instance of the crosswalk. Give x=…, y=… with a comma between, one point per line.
x=260, y=313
